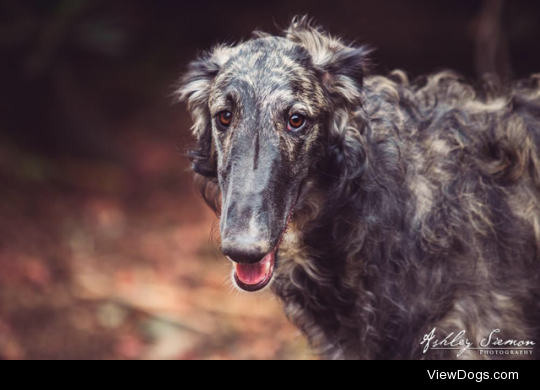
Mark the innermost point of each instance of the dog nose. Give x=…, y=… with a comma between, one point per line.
x=245, y=250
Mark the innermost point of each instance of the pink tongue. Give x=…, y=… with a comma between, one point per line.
x=254, y=274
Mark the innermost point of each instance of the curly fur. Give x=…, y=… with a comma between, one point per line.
x=421, y=211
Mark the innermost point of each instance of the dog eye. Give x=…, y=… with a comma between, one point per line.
x=296, y=122
x=225, y=118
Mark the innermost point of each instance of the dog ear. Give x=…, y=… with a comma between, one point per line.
x=196, y=85
x=343, y=70
x=343, y=67
x=195, y=90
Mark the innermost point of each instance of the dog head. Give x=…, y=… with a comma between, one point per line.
x=264, y=113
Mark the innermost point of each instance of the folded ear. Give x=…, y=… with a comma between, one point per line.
x=195, y=86
x=344, y=67
x=195, y=91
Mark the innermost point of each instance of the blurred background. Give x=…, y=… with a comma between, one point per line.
x=106, y=252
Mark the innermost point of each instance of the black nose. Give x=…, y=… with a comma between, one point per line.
x=245, y=251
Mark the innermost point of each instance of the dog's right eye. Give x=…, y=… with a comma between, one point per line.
x=225, y=118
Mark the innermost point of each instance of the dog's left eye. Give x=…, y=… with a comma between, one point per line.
x=296, y=122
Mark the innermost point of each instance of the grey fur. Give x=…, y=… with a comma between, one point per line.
x=419, y=203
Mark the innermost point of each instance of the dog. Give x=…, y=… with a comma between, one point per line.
x=394, y=219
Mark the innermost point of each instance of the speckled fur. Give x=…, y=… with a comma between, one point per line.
x=421, y=200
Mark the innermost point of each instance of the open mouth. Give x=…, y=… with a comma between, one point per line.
x=255, y=277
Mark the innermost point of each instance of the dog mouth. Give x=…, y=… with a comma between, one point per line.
x=255, y=277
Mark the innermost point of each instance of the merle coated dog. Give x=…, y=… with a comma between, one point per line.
x=390, y=217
